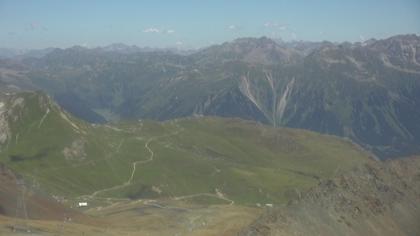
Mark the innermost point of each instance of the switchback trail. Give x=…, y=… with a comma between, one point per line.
x=205, y=194
x=218, y=194
x=134, y=164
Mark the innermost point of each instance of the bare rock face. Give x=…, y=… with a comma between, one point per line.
x=8, y=113
x=374, y=199
x=76, y=151
x=4, y=126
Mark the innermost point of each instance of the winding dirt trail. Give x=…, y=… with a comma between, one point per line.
x=157, y=205
x=179, y=129
x=134, y=164
x=152, y=154
x=231, y=202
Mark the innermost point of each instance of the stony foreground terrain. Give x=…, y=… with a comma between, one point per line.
x=374, y=199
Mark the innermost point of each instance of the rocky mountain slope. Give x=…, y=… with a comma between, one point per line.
x=374, y=199
x=20, y=199
x=368, y=92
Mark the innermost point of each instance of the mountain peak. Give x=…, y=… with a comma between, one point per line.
x=120, y=47
x=262, y=41
x=261, y=50
x=405, y=37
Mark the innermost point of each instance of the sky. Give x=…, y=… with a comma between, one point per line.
x=32, y=24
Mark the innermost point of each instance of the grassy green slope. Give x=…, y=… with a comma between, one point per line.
x=203, y=160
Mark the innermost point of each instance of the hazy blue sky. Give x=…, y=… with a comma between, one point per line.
x=188, y=23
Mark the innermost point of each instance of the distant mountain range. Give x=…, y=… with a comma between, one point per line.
x=8, y=53
x=12, y=53
x=368, y=92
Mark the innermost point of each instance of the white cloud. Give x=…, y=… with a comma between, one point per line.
x=275, y=25
x=154, y=30
x=179, y=43
x=282, y=27
x=36, y=26
x=151, y=30
x=232, y=27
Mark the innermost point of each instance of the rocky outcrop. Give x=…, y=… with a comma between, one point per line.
x=4, y=123
x=4, y=128
x=75, y=152
x=374, y=199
